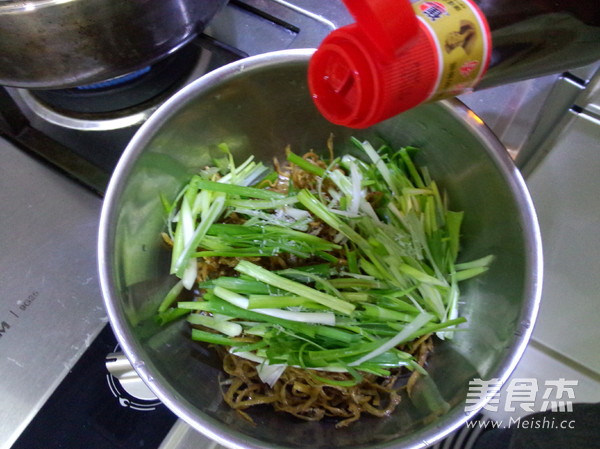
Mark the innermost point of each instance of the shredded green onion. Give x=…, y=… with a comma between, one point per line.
x=386, y=274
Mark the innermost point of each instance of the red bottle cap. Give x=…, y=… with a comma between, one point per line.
x=373, y=69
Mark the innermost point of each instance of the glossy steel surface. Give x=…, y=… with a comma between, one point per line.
x=258, y=106
x=52, y=44
x=50, y=301
x=569, y=213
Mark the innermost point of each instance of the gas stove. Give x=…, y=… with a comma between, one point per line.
x=57, y=152
x=84, y=130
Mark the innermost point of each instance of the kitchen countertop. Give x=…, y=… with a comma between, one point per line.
x=49, y=228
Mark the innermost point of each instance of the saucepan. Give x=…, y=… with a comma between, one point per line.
x=258, y=106
x=56, y=44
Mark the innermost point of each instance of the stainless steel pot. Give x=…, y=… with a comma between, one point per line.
x=257, y=106
x=51, y=44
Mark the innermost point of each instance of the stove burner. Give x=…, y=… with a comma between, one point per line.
x=116, y=81
x=125, y=92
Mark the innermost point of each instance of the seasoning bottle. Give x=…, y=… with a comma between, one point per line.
x=401, y=53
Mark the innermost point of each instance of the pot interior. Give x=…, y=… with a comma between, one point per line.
x=258, y=108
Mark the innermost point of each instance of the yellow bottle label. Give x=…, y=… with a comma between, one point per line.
x=463, y=43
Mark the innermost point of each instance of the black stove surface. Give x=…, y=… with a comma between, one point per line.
x=86, y=411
